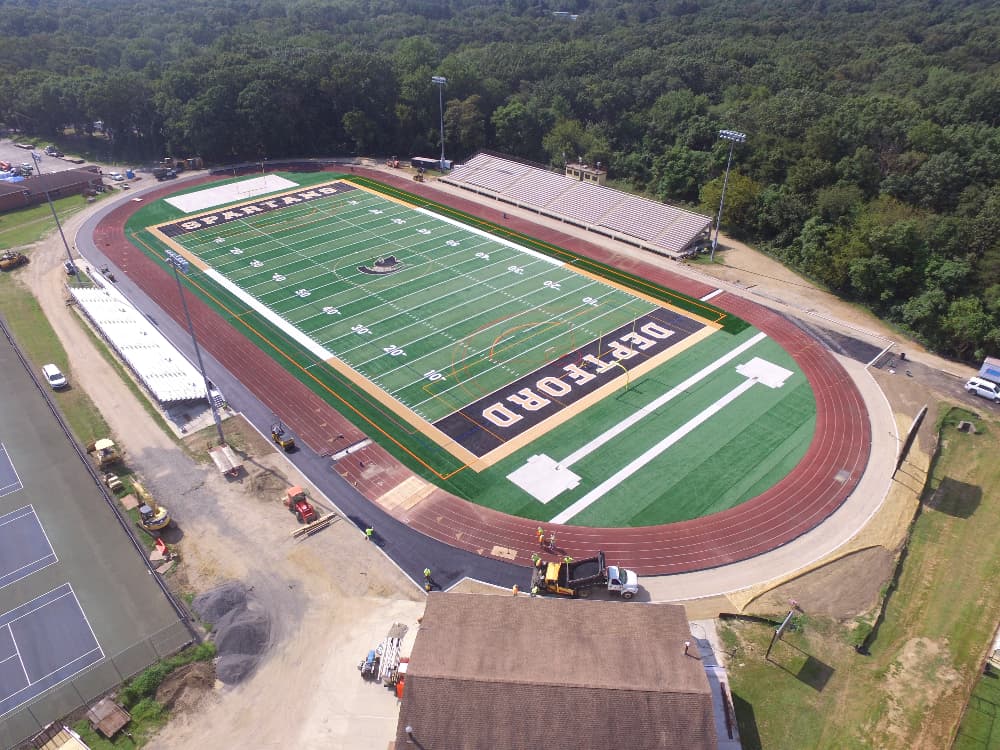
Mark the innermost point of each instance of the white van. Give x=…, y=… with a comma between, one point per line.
x=984, y=388
x=53, y=377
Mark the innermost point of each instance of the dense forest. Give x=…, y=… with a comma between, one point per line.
x=872, y=160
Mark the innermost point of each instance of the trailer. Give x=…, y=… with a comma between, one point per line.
x=226, y=460
x=578, y=578
x=384, y=661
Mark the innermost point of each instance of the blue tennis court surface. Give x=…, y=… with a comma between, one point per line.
x=9, y=480
x=24, y=546
x=42, y=643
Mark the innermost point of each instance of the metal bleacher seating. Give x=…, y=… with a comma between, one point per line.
x=639, y=221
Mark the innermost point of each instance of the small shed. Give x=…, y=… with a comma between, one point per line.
x=107, y=717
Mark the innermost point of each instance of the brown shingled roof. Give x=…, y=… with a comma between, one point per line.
x=519, y=672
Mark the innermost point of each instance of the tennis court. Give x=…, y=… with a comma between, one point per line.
x=554, y=392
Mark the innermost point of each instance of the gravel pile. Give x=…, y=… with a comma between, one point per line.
x=212, y=605
x=242, y=631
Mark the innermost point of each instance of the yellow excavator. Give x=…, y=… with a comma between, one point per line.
x=153, y=517
x=11, y=260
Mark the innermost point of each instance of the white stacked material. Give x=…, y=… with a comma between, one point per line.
x=161, y=368
x=643, y=222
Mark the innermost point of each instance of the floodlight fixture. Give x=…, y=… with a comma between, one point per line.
x=441, y=82
x=734, y=137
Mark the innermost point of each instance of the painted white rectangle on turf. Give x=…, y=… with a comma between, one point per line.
x=234, y=191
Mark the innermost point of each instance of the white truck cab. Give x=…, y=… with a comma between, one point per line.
x=623, y=580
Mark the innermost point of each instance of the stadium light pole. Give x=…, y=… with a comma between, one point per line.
x=37, y=158
x=441, y=82
x=180, y=265
x=734, y=137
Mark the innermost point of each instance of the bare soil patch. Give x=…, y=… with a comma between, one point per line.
x=842, y=589
x=186, y=687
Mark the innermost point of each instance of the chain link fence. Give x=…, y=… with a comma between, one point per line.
x=88, y=686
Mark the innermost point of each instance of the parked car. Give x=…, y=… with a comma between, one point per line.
x=70, y=267
x=54, y=378
x=27, y=168
x=116, y=176
x=984, y=388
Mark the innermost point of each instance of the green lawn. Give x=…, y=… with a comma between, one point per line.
x=910, y=691
x=39, y=343
x=28, y=225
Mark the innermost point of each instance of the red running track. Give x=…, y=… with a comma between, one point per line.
x=814, y=489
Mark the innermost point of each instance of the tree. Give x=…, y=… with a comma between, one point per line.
x=965, y=326
x=741, y=199
x=516, y=129
x=678, y=174
x=465, y=125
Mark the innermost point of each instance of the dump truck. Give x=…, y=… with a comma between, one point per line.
x=577, y=578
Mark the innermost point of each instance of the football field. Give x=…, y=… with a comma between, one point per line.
x=562, y=391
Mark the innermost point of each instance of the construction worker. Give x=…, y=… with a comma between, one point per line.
x=534, y=591
x=567, y=559
x=427, y=573
x=541, y=536
x=535, y=559
x=515, y=589
x=369, y=532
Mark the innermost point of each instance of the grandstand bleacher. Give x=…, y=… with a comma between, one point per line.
x=638, y=221
x=163, y=370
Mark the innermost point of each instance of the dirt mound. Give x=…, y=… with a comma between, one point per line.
x=186, y=686
x=243, y=631
x=267, y=483
x=214, y=604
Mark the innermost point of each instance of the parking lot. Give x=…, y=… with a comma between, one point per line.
x=11, y=153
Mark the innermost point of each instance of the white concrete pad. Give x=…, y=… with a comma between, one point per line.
x=543, y=478
x=766, y=373
x=235, y=191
